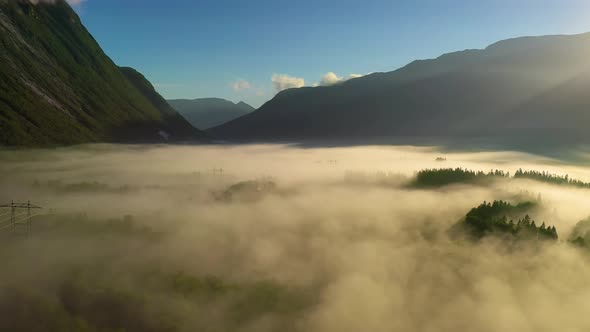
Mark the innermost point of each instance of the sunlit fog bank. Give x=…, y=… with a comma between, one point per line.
x=280, y=238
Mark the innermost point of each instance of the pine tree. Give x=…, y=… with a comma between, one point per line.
x=527, y=221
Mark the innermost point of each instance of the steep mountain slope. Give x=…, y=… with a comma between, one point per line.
x=173, y=125
x=474, y=92
x=58, y=87
x=209, y=112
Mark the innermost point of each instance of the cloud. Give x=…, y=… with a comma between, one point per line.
x=241, y=85
x=337, y=247
x=282, y=82
x=330, y=78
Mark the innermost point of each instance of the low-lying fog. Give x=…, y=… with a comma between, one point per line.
x=155, y=238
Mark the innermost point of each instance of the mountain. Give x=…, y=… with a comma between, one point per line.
x=517, y=87
x=175, y=125
x=58, y=87
x=209, y=112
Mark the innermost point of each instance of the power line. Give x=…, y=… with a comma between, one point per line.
x=20, y=205
x=18, y=221
x=13, y=222
x=34, y=215
x=17, y=213
x=10, y=217
x=5, y=227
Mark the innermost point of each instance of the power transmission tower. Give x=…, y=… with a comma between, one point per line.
x=17, y=220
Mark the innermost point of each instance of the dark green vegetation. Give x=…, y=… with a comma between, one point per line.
x=496, y=219
x=209, y=112
x=580, y=235
x=440, y=177
x=108, y=292
x=58, y=87
x=550, y=178
x=433, y=178
x=248, y=190
x=512, y=90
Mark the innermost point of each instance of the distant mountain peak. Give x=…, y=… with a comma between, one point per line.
x=205, y=113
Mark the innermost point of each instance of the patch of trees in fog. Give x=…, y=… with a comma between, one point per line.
x=440, y=177
x=433, y=178
x=550, y=178
x=496, y=219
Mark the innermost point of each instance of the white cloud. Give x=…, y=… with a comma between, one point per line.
x=241, y=85
x=282, y=82
x=330, y=78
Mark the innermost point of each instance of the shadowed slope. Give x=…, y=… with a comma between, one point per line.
x=473, y=93
x=58, y=87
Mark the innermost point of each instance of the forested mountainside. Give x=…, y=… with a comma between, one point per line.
x=58, y=87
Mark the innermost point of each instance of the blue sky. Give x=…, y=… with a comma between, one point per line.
x=248, y=50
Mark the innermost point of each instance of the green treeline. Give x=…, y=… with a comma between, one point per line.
x=508, y=221
x=439, y=177
x=550, y=178
x=496, y=218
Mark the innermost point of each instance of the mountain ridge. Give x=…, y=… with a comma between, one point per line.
x=469, y=92
x=57, y=86
x=205, y=113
